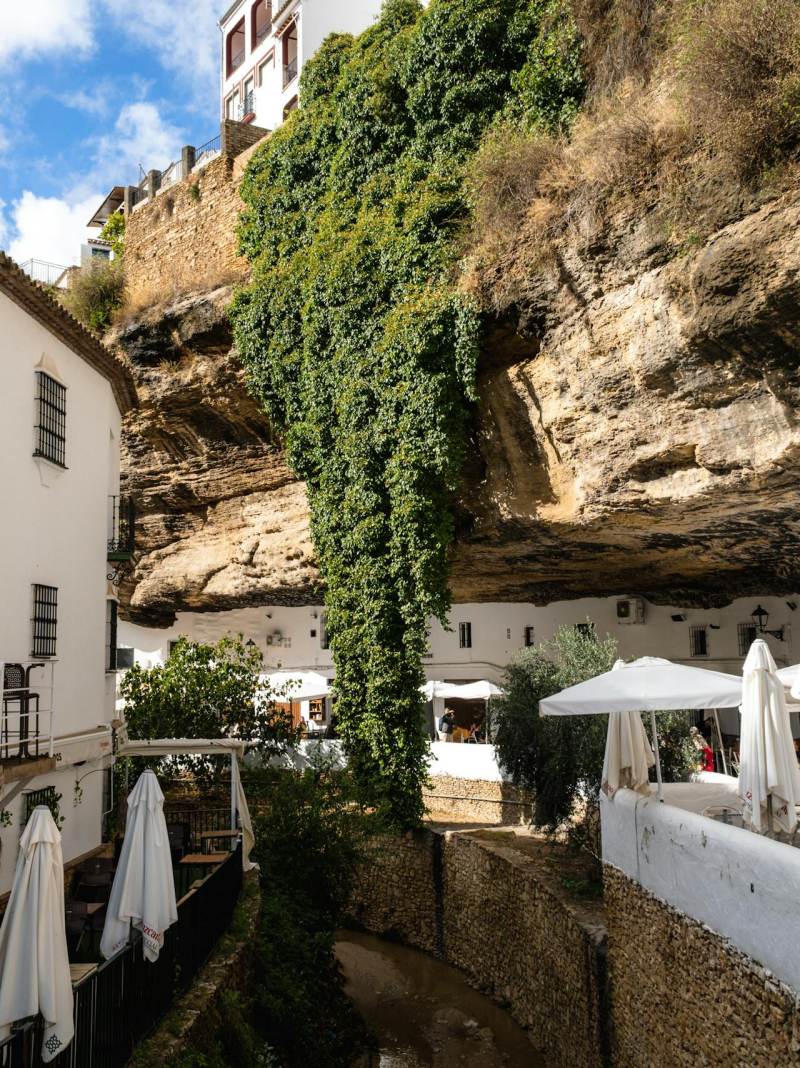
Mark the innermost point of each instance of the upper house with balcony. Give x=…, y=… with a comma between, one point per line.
x=64, y=533
x=265, y=45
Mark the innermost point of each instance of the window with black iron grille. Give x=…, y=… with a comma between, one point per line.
x=747, y=635
x=46, y=796
x=529, y=637
x=698, y=641
x=111, y=635
x=44, y=620
x=324, y=640
x=586, y=629
x=51, y=419
x=465, y=635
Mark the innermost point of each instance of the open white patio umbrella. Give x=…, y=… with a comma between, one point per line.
x=769, y=778
x=34, y=964
x=649, y=684
x=143, y=894
x=790, y=677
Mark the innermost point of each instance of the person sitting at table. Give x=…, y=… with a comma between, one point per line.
x=447, y=725
x=705, y=753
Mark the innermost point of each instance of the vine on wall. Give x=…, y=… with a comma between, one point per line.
x=355, y=336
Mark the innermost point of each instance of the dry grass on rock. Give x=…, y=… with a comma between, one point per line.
x=693, y=104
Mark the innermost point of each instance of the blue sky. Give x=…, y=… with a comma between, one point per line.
x=89, y=90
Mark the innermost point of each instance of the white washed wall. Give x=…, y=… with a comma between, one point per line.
x=744, y=887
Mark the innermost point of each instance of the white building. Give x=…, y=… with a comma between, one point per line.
x=265, y=45
x=482, y=638
x=62, y=395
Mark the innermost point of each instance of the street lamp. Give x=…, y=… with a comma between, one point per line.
x=760, y=617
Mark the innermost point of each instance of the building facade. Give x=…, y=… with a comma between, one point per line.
x=65, y=530
x=265, y=46
x=482, y=638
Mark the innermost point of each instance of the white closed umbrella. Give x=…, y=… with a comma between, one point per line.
x=34, y=964
x=769, y=778
x=143, y=894
x=649, y=684
x=629, y=755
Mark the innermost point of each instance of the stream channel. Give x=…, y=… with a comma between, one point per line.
x=423, y=1014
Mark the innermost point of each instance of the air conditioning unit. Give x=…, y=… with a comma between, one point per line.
x=630, y=610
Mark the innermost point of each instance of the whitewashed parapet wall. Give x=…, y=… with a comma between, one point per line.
x=741, y=885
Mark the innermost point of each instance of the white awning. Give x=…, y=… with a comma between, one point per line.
x=158, y=747
x=461, y=691
x=649, y=684
x=298, y=685
x=78, y=748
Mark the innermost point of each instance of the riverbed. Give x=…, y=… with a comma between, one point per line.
x=423, y=1014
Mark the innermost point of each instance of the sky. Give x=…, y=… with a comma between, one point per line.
x=90, y=90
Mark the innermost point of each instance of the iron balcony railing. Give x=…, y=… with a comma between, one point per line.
x=121, y=528
x=289, y=72
x=49, y=274
x=237, y=59
x=121, y=1002
x=210, y=150
x=26, y=717
x=247, y=106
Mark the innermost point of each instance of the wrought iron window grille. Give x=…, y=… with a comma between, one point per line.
x=44, y=620
x=51, y=421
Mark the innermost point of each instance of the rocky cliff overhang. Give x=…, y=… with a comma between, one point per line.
x=637, y=432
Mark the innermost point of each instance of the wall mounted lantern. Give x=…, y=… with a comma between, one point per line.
x=760, y=617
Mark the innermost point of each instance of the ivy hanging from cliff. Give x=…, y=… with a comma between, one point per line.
x=356, y=338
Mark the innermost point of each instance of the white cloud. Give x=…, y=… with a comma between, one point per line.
x=48, y=228
x=94, y=103
x=52, y=228
x=140, y=137
x=184, y=36
x=31, y=29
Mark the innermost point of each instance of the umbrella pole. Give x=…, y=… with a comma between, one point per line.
x=721, y=744
x=660, y=794
x=770, y=833
x=233, y=791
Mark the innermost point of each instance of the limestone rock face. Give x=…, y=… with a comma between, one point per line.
x=638, y=431
x=639, y=424
x=221, y=520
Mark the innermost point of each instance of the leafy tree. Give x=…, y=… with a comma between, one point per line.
x=114, y=233
x=358, y=342
x=205, y=691
x=560, y=758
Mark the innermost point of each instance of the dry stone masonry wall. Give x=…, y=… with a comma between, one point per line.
x=683, y=997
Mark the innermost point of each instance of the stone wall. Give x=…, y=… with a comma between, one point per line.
x=184, y=238
x=683, y=996
x=496, y=914
x=456, y=800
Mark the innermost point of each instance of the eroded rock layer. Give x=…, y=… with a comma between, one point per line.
x=637, y=432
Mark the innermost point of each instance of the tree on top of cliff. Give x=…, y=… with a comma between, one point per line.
x=359, y=344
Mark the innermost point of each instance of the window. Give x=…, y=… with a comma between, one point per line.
x=45, y=620
x=265, y=68
x=47, y=796
x=465, y=635
x=586, y=629
x=698, y=641
x=529, y=637
x=111, y=635
x=171, y=647
x=261, y=17
x=289, y=46
x=747, y=635
x=324, y=641
x=124, y=658
x=290, y=107
x=234, y=48
x=248, y=104
x=101, y=253
x=232, y=105
x=51, y=421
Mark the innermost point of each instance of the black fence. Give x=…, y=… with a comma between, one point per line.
x=122, y=527
x=118, y=1005
x=197, y=820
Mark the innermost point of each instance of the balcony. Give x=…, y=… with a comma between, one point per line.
x=247, y=107
x=289, y=72
x=121, y=527
x=26, y=718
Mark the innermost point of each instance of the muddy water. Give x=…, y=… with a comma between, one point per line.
x=423, y=1014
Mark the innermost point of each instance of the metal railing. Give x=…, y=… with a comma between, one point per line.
x=198, y=820
x=171, y=174
x=121, y=1002
x=121, y=527
x=26, y=716
x=237, y=58
x=289, y=72
x=49, y=274
x=205, y=153
x=247, y=105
